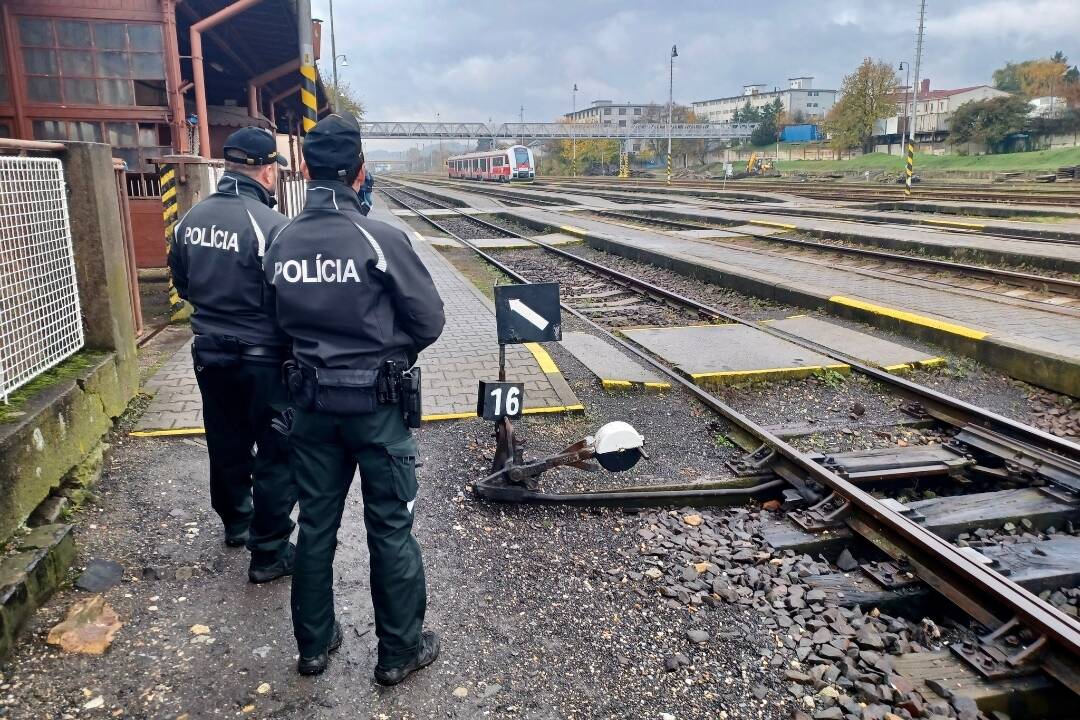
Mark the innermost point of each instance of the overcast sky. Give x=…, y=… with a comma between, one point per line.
x=480, y=59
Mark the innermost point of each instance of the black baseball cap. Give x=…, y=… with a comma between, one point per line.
x=253, y=146
x=334, y=145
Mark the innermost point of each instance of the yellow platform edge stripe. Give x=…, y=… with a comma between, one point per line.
x=607, y=383
x=767, y=223
x=527, y=411
x=542, y=358
x=174, y=432
x=841, y=367
x=167, y=433
x=912, y=318
x=955, y=223
x=925, y=363
x=573, y=230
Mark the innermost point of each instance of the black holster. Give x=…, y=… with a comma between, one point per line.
x=335, y=392
x=399, y=385
x=215, y=351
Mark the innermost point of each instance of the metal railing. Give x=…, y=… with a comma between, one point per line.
x=40, y=317
x=540, y=131
x=292, y=187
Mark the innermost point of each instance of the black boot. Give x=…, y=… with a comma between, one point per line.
x=429, y=651
x=236, y=538
x=316, y=664
x=279, y=568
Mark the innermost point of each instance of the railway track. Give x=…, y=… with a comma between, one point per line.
x=875, y=193
x=832, y=500
x=1054, y=294
x=1051, y=291
x=925, y=224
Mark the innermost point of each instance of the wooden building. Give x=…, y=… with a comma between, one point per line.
x=121, y=72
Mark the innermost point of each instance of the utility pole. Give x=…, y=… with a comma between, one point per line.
x=333, y=49
x=670, y=104
x=905, y=65
x=521, y=119
x=910, y=169
x=573, y=135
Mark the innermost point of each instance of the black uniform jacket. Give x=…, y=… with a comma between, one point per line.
x=351, y=293
x=216, y=260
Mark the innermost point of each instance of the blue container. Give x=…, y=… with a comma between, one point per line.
x=799, y=133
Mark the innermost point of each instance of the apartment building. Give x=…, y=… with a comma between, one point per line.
x=800, y=97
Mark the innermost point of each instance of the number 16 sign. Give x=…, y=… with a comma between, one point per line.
x=497, y=400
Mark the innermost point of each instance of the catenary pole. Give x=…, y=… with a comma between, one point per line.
x=910, y=169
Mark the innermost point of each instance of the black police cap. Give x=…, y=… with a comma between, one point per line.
x=253, y=146
x=334, y=145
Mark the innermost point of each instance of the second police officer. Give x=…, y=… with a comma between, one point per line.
x=216, y=261
x=359, y=306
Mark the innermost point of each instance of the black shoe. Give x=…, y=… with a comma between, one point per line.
x=236, y=539
x=316, y=664
x=429, y=651
x=279, y=568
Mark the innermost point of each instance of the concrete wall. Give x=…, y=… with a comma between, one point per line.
x=64, y=422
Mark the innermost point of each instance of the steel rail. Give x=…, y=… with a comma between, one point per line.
x=970, y=413
x=989, y=597
x=1030, y=280
x=1063, y=197
x=825, y=214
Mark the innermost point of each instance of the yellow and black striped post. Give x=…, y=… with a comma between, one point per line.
x=909, y=168
x=669, y=168
x=308, y=98
x=624, y=165
x=170, y=213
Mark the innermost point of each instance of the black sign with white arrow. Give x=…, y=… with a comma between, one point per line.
x=528, y=313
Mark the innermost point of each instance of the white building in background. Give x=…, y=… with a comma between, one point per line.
x=799, y=97
x=1047, y=106
x=935, y=109
x=625, y=114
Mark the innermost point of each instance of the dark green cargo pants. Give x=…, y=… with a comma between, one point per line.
x=249, y=490
x=326, y=450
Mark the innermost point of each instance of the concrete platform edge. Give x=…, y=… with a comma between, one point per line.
x=1051, y=371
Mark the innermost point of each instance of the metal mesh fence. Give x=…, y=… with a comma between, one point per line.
x=40, y=319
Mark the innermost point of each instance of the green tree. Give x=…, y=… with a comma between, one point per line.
x=866, y=96
x=344, y=99
x=988, y=122
x=748, y=114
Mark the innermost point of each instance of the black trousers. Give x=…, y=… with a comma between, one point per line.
x=326, y=451
x=248, y=489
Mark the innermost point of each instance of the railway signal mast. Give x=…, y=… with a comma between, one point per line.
x=573, y=135
x=910, y=169
x=670, y=102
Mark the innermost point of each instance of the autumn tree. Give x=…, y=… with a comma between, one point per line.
x=988, y=122
x=344, y=99
x=866, y=96
x=1037, y=78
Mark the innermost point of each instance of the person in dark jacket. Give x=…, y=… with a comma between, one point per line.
x=367, y=193
x=216, y=259
x=359, y=306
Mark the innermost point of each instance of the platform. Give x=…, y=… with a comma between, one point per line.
x=1030, y=341
x=727, y=354
x=614, y=368
x=466, y=352
x=885, y=354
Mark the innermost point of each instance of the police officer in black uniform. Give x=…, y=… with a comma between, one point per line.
x=216, y=260
x=358, y=306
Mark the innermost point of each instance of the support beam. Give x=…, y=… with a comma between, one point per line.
x=197, y=65
x=259, y=81
x=173, y=82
